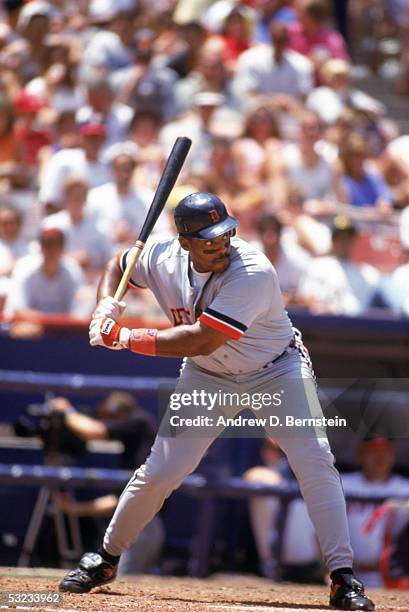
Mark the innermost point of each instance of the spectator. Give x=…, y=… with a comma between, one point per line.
x=395, y=287
x=305, y=167
x=290, y=265
x=84, y=242
x=376, y=457
x=144, y=131
x=111, y=46
x=209, y=74
x=269, y=11
x=302, y=232
x=29, y=132
x=336, y=93
x=11, y=166
x=310, y=37
x=45, y=283
x=189, y=40
x=235, y=33
x=299, y=554
x=101, y=101
x=273, y=69
x=117, y=207
x=361, y=183
x=334, y=283
x=258, y=151
x=118, y=417
x=146, y=85
x=56, y=83
x=197, y=125
x=83, y=162
x=264, y=511
x=12, y=245
x=34, y=24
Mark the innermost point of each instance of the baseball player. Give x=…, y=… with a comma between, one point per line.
x=229, y=323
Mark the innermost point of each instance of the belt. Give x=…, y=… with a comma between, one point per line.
x=291, y=344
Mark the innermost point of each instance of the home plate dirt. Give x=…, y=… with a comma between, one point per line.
x=164, y=593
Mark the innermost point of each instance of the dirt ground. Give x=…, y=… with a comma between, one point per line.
x=221, y=592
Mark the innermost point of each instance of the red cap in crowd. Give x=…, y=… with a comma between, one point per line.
x=26, y=102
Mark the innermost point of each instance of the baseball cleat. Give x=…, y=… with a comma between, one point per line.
x=348, y=593
x=91, y=572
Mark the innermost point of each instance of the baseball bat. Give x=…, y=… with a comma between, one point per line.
x=170, y=173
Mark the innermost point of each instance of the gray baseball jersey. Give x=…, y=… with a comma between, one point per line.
x=244, y=302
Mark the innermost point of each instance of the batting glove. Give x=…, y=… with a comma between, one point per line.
x=110, y=308
x=106, y=332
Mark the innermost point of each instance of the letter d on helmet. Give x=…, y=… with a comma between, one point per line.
x=204, y=216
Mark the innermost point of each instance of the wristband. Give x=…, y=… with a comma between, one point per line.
x=143, y=341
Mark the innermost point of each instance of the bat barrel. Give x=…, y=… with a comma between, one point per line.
x=168, y=179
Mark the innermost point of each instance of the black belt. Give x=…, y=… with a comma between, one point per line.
x=291, y=344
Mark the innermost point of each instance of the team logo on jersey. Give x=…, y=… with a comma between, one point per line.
x=180, y=316
x=214, y=215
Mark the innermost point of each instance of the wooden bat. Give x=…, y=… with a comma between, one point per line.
x=170, y=173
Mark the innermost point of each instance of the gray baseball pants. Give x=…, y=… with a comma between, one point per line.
x=308, y=452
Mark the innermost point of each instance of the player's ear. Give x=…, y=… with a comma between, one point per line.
x=184, y=243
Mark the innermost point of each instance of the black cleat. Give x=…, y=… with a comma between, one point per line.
x=92, y=571
x=348, y=593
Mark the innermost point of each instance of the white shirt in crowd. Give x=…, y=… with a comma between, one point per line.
x=66, y=164
x=83, y=236
x=30, y=288
x=257, y=71
x=368, y=545
x=106, y=50
x=345, y=287
x=290, y=265
x=395, y=290
x=109, y=208
x=315, y=182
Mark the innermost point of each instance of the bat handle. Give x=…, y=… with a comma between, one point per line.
x=133, y=257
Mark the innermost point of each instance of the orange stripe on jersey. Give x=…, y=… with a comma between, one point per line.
x=220, y=326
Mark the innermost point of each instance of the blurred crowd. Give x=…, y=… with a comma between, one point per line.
x=93, y=94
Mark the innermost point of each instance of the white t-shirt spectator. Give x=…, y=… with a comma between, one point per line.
x=109, y=208
x=258, y=72
x=315, y=182
x=30, y=288
x=66, y=164
x=83, y=236
x=343, y=287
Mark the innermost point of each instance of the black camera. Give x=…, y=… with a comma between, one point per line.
x=61, y=445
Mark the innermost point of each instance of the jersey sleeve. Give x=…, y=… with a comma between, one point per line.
x=240, y=302
x=141, y=275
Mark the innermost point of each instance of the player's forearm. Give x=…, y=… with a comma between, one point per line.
x=184, y=341
x=110, y=279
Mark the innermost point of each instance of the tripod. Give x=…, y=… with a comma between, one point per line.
x=67, y=531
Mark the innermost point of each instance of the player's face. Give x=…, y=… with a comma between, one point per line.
x=209, y=255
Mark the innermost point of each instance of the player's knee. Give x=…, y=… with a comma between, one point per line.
x=159, y=476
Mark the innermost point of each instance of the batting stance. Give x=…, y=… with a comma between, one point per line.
x=230, y=325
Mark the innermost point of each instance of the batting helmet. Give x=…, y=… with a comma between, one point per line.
x=204, y=216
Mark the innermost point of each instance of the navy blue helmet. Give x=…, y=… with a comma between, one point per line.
x=204, y=216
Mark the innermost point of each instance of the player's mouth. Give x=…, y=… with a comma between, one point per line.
x=224, y=260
